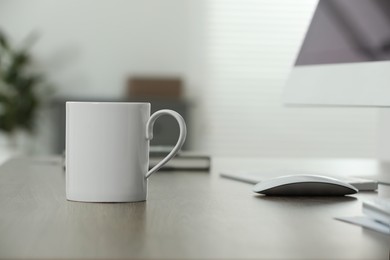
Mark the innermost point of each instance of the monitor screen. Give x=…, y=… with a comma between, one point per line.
x=345, y=31
x=344, y=59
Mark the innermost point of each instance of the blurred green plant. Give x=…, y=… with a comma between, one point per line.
x=22, y=89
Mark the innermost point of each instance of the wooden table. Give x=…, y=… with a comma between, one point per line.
x=187, y=215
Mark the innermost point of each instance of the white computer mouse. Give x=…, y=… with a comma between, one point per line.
x=304, y=185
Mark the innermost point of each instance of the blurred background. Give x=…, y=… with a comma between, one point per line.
x=223, y=64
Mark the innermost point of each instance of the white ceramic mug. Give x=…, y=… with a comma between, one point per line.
x=107, y=150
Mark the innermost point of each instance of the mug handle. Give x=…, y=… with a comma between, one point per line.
x=180, y=141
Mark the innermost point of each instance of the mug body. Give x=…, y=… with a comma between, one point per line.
x=107, y=153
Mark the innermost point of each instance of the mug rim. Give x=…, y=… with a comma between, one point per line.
x=106, y=103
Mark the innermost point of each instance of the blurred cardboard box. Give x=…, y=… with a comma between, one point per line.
x=154, y=88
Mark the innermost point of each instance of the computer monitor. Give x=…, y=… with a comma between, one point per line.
x=345, y=56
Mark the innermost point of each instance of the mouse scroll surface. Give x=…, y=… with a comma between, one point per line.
x=304, y=186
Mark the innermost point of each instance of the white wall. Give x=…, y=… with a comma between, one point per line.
x=251, y=48
x=90, y=47
x=234, y=55
x=383, y=136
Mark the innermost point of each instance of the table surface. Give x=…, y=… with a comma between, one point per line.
x=187, y=215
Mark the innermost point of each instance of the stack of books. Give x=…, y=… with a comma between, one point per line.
x=184, y=160
x=376, y=215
